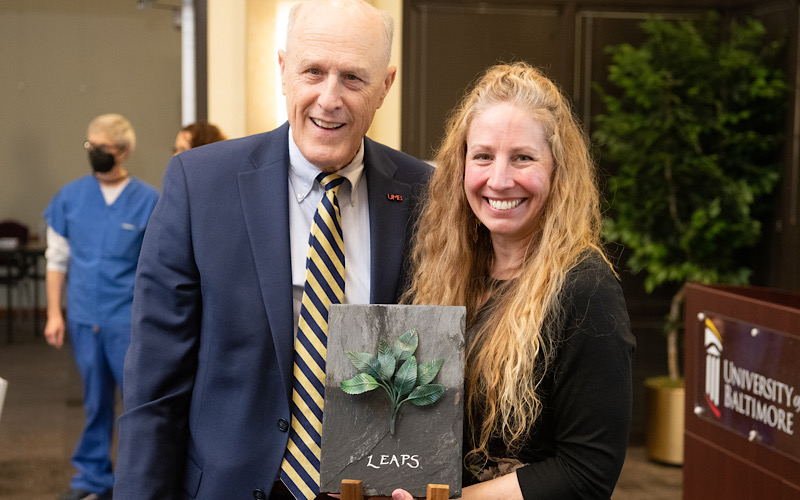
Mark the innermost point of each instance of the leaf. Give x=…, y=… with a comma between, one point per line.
x=425, y=394
x=388, y=365
x=359, y=384
x=384, y=347
x=405, y=346
x=406, y=377
x=365, y=363
x=427, y=371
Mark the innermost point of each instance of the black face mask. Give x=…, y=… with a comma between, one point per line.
x=101, y=161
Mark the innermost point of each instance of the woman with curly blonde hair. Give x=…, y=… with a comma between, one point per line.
x=511, y=230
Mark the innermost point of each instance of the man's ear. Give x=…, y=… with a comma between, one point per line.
x=282, y=64
x=387, y=83
x=124, y=154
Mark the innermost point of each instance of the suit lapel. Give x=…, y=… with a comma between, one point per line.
x=264, y=195
x=389, y=207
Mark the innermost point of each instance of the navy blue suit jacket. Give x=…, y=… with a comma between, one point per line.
x=208, y=374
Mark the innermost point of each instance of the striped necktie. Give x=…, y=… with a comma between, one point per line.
x=324, y=286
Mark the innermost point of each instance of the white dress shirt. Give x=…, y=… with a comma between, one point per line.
x=304, y=195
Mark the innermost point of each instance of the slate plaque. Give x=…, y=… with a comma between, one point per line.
x=356, y=439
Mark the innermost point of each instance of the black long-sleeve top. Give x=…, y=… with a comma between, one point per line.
x=577, y=446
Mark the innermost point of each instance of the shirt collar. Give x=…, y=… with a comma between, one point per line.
x=303, y=174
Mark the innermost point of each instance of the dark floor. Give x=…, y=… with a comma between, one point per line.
x=43, y=416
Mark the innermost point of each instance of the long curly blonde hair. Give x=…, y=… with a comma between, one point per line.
x=452, y=256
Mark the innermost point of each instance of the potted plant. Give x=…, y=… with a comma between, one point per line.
x=693, y=124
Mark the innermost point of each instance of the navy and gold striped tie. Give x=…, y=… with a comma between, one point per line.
x=324, y=286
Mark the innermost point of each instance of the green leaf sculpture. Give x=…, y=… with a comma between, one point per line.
x=397, y=372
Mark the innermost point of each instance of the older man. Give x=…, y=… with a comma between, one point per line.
x=217, y=403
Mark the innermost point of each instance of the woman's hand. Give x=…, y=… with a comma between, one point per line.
x=400, y=494
x=397, y=494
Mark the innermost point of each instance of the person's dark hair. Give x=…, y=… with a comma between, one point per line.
x=204, y=133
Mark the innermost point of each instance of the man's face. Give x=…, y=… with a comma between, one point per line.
x=334, y=76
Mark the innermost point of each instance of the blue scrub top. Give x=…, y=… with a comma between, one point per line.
x=104, y=241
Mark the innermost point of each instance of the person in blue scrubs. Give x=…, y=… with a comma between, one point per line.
x=95, y=227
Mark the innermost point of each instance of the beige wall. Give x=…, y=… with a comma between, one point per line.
x=244, y=79
x=61, y=64
x=386, y=127
x=227, y=102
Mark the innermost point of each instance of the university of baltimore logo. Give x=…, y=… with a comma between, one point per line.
x=713, y=345
x=751, y=382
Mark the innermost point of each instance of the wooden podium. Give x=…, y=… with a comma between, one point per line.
x=742, y=430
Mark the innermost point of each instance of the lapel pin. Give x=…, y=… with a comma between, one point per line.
x=394, y=197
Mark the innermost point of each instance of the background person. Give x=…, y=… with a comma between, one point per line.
x=95, y=227
x=197, y=134
x=511, y=229
x=209, y=374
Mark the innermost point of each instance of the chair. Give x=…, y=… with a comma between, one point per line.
x=13, y=265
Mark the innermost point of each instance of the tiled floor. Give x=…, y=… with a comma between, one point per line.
x=43, y=416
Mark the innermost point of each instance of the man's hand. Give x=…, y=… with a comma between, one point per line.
x=54, y=331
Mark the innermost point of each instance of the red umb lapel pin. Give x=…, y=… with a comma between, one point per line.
x=394, y=197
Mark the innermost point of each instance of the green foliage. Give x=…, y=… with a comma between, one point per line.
x=693, y=121
x=407, y=383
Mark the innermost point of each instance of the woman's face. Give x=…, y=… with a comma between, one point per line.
x=183, y=142
x=507, y=172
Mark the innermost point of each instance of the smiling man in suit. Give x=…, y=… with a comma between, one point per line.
x=210, y=396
